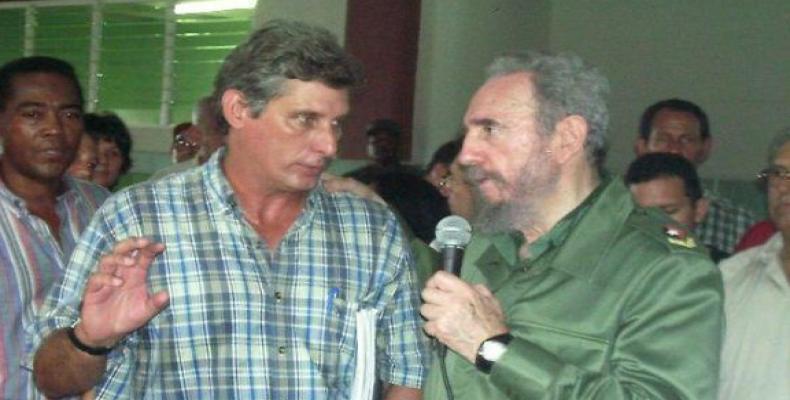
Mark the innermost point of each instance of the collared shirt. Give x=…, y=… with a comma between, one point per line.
x=175, y=168
x=606, y=305
x=32, y=260
x=755, y=361
x=724, y=224
x=244, y=320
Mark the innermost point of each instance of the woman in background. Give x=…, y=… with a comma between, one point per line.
x=114, y=145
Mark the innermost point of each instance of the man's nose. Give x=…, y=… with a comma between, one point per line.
x=53, y=123
x=326, y=140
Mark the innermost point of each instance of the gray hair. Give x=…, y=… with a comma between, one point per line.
x=564, y=85
x=779, y=140
x=278, y=51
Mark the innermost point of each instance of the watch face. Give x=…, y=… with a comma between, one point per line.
x=492, y=350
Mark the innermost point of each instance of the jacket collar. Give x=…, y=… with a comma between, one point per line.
x=593, y=232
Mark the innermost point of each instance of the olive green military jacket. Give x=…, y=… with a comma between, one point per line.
x=611, y=304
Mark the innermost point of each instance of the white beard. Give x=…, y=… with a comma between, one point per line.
x=537, y=179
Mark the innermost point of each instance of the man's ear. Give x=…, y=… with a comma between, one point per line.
x=569, y=137
x=701, y=210
x=640, y=146
x=234, y=107
x=707, y=145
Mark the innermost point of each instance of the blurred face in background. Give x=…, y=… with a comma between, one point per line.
x=185, y=144
x=108, y=167
x=383, y=147
x=669, y=194
x=458, y=192
x=676, y=132
x=84, y=164
x=779, y=190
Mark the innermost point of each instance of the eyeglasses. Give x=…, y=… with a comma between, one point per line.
x=668, y=142
x=446, y=181
x=182, y=141
x=774, y=173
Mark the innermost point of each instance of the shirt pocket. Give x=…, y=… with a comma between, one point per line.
x=337, y=348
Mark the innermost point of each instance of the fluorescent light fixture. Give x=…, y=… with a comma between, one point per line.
x=206, y=6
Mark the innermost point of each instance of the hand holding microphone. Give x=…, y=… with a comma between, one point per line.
x=458, y=314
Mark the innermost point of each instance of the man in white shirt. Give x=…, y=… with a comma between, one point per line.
x=755, y=360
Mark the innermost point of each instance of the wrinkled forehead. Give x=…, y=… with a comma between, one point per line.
x=667, y=119
x=501, y=95
x=782, y=158
x=44, y=85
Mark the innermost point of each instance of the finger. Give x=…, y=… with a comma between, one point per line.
x=100, y=280
x=447, y=282
x=440, y=297
x=130, y=244
x=157, y=302
x=483, y=290
x=110, y=263
x=146, y=254
x=431, y=311
x=430, y=329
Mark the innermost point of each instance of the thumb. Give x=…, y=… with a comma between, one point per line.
x=157, y=302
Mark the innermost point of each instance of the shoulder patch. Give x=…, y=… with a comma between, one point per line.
x=679, y=236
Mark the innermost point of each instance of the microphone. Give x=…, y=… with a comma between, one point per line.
x=452, y=235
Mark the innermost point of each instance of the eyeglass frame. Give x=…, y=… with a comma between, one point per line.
x=446, y=181
x=774, y=172
x=181, y=140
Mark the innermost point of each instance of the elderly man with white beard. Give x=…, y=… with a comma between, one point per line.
x=568, y=289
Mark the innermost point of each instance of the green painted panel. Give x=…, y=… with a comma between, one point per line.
x=131, y=63
x=202, y=43
x=132, y=51
x=12, y=31
x=64, y=32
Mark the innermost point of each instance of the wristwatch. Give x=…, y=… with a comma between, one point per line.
x=491, y=350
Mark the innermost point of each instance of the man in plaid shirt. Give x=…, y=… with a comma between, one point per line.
x=251, y=278
x=681, y=127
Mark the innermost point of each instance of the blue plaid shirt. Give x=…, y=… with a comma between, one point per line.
x=245, y=321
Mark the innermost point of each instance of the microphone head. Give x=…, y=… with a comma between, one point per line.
x=453, y=231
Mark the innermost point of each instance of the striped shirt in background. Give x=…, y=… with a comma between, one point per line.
x=246, y=321
x=31, y=261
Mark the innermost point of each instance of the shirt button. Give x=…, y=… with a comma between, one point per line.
x=281, y=350
x=278, y=296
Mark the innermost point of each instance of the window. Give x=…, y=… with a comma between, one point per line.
x=135, y=57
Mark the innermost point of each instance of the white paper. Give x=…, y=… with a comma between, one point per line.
x=365, y=370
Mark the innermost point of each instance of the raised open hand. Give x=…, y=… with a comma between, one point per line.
x=116, y=299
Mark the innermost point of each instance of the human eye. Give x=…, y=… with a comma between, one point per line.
x=670, y=210
x=779, y=173
x=72, y=114
x=32, y=113
x=337, y=128
x=687, y=140
x=661, y=140
x=305, y=120
x=490, y=129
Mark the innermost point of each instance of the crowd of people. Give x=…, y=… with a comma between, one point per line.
x=245, y=271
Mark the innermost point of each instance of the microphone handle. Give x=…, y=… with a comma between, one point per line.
x=452, y=258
